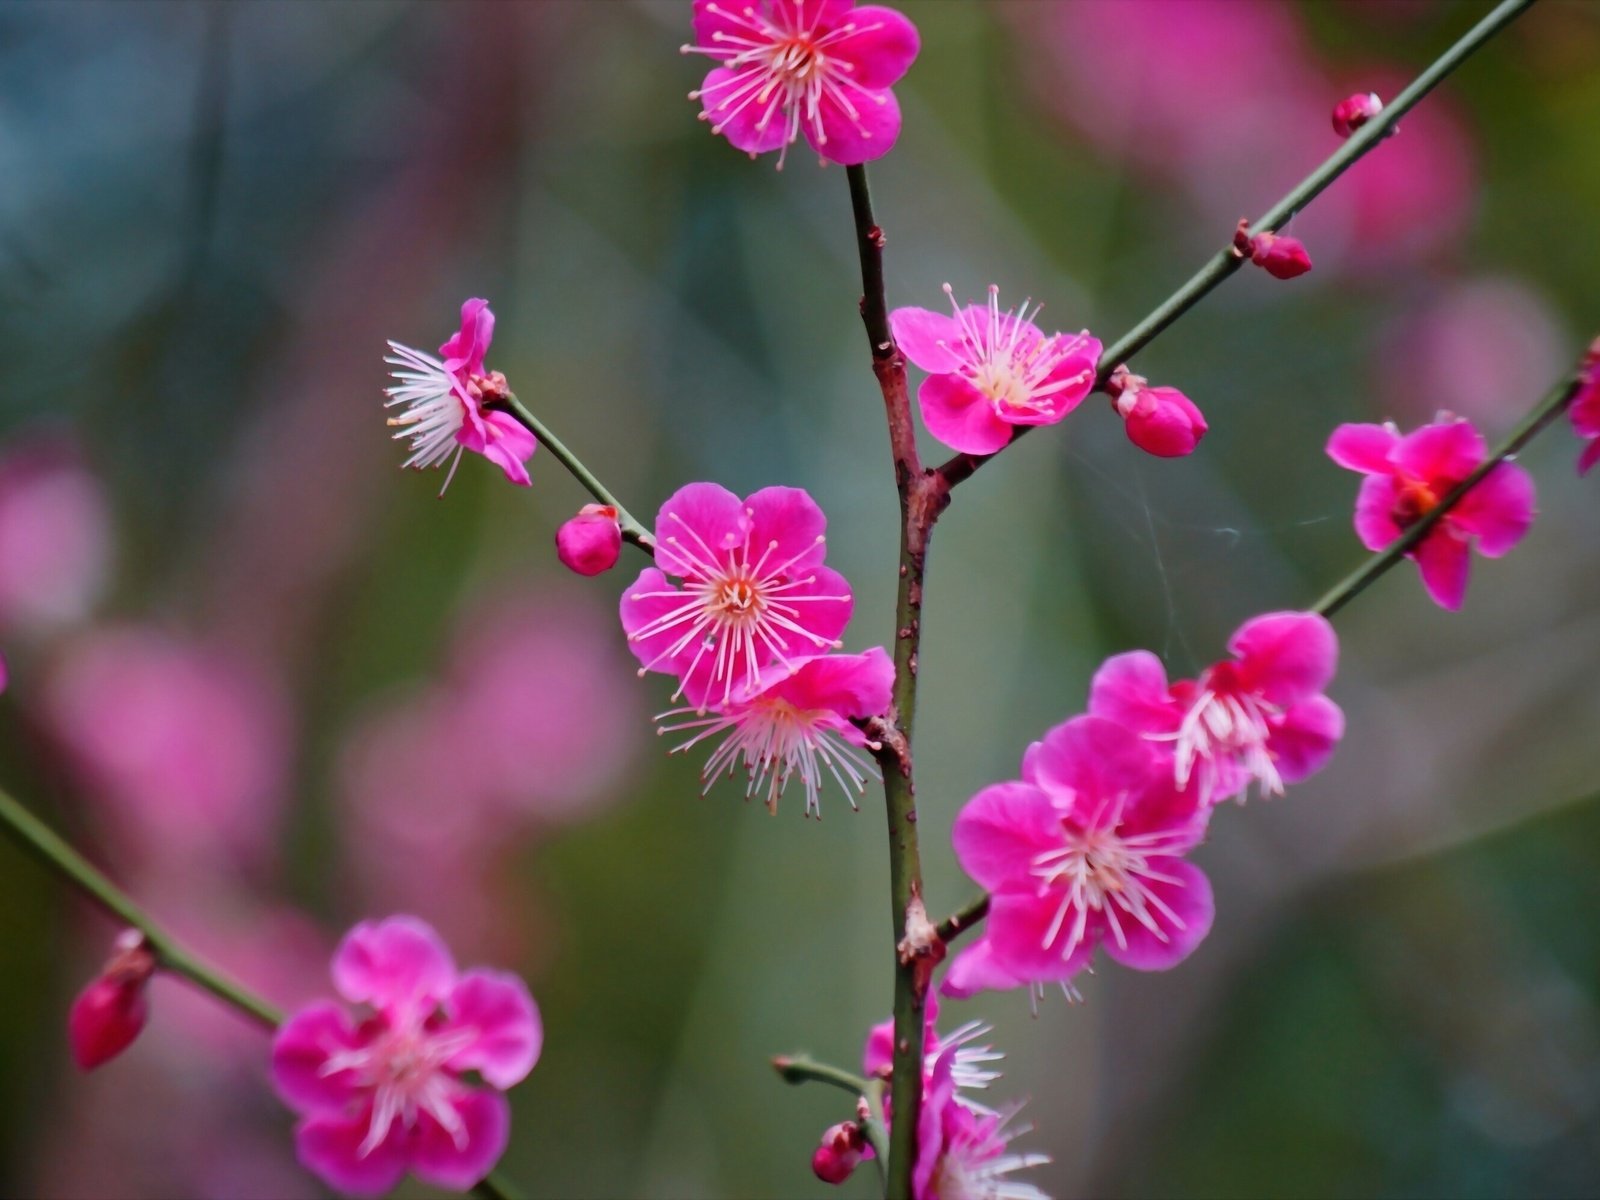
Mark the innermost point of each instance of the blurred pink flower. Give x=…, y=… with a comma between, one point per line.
x=1259, y=717
x=818, y=67
x=590, y=542
x=110, y=1012
x=184, y=750
x=443, y=402
x=1406, y=476
x=989, y=371
x=1087, y=849
x=1159, y=420
x=385, y=1094
x=1471, y=347
x=962, y=1153
x=754, y=589
x=796, y=721
x=1584, y=413
x=55, y=536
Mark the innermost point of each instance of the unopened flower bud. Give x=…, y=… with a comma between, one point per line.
x=1159, y=420
x=110, y=1012
x=591, y=541
x=1351, y=113
x=840, y=1153
x=1279, y=256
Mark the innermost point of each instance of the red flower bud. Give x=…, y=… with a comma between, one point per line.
x=840, y=1153
x=1280, y=257
x=1160, y=420
x=1351, y=113
x=591, y=541
x=110, y=1012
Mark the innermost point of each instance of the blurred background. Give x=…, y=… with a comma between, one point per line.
x=275, y=685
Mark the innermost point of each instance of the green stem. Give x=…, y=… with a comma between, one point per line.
x=632, y=531
x=800, y=1068
x=1357, y=581
x=964, y=918
x=39, y=840
x=1226, y=261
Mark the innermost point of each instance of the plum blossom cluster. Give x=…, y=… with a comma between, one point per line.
x=1088, y=848
x=384, y=1092
x=749, y=631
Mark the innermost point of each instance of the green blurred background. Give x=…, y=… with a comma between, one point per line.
x=213, y=216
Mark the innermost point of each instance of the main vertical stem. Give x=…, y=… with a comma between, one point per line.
x=923, y=496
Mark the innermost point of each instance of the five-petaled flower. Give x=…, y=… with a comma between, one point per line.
x=383, y=1093
x=1407, y=476
x=1086, y=849
x=822, y=68
x=990, y=371
x=963, y=1153
x=1258, y=717
x=754, y=591
x=794, y=720
x=443, y=403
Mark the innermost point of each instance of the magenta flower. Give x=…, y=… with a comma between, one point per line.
x=818, y=67
x=1160, y=420
x=1408, y=475
x=843, y=1147
x=990, y=371
x=754, y=591
x=964, y=1154
x=1280, y=256
x=108, y=1014
x=796, y=721
x=1351, y=113
x=590, y=542
x=384, y=1094
x=1584, y=411
x=970, y=1065
x=1086, y=849
x=444, y=411
x=1258, y=717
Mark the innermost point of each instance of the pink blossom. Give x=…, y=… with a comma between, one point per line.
x=1087, y=849
x=971, y=1066
x=1160, y=420
x=843, y=1147
x=1409, y=475
x=383, y=1094
x=754, y=591
x=1584, y=413
x=818, y=67
x=55, y=536
x=443, y=403
x=990, y=371
x=1351, y=113
x=795, y=720
x=185, y=747
x=1279, y=256
x=963, y=1154
x=110, y=1012
x=1258, y=717
x=590, y=542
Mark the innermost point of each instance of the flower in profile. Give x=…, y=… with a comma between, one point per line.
x=384, y=1093
x=1584, y=411
x=795, y=720
x=1259, y=717
x=110, y=1012
x=1160, y=420
x=1351, y=113
x=1086, y=849
x=990, y=371
x=843, y=1147
x=822, y=68
x=1407, y=476
x=971, y=1066
x=1279, y=256
x=963, y=1154
x=590, y=542
x=443, y=409
x=754, y=590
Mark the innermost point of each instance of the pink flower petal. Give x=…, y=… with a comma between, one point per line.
x=508, y=1035
x=866, y=130
x=1131, y=689
x=395, y=964
x=1001, y=829
x=882, y=49
x=704, y=519
x=1075, y=372
x=960, y=416
x=437, y=1159
x=1303, y=742
x=1188, y=919
x=464, y=352
x=818, y=16
x=852, y=685
x=1286, y=656
x=1445, y=564
x=650, y=597
x=878, y=1053
x=1375, y=505
x=1443, y=452
x=733, y=102
x=786, y=525
x=1086, y=760
x=974, y=970
x=1017, y=927
x=1590, y=456
x=504, y=441
x=329, y=1146
x=1499, y=509
x=301, y=1048
x=930, y=340
x=1363, y=447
